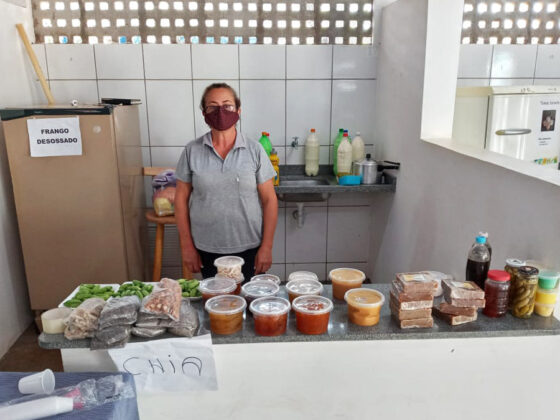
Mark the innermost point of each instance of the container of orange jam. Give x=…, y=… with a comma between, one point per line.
x=303, y=286
x=216, y=286
x=344, y=279
x=259, y=288
x=312, y=314
x=226, y=313
x=364, y=306
x=270, y=315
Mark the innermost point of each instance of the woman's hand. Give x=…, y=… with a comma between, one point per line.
x=191, y=259
x=263, y=259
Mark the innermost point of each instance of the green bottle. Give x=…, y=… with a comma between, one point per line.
x=337, y=141
x=265, y=142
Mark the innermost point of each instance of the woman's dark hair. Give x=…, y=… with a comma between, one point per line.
x=219, y=86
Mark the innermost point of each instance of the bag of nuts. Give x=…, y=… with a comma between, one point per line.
x=165, y=300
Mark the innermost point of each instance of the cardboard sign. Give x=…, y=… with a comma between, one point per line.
x=169, y=365
x=54, y=137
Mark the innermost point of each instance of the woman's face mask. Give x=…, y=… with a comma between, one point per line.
x=221, y=119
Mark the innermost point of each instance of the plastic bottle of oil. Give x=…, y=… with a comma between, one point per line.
x=275, y=160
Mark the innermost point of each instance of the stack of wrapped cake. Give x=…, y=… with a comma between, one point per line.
x=462, y=300
x=412, y=298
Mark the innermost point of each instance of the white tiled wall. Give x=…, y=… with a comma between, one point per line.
x=508, y=65
x=285, y=90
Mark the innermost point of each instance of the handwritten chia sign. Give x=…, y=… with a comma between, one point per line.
x=173, y=364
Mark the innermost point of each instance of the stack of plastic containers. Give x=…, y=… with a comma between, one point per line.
x=547, y=293
x=303, y=283
x=230, y=267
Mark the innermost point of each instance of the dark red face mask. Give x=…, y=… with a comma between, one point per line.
x=220, y=119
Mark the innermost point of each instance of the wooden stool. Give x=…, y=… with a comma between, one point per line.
x=160, y=222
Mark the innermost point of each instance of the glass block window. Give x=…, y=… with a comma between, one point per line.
x=511, y=22
x=204, y=21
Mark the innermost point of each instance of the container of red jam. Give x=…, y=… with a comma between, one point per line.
x=270, y=277
x=270, y=315
x=312, y=314
x=259, y=288
x=303, y=286
x=225, y=313
x=216, y=286
x=496, y=293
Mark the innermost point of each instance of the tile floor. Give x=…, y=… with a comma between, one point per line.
x=26, y=355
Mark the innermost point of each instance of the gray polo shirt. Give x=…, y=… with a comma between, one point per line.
x=224, y=207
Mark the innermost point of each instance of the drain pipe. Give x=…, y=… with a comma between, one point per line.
x=299, y=215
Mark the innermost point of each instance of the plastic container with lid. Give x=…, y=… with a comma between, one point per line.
x=270, y=315
x=312, y=314
x=225, y=313
x=230, y=266
x=547, y=292
x=265, y=276
x=523, y=295
x=216, y=286
x=496, y=293
x=259, y=288
x=344, y=279
x=364, y=306
x=303, y=287
x=544, y=309
x=308, y=275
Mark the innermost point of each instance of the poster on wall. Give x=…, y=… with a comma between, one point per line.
x=54, y=137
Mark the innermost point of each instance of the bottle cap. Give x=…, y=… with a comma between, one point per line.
x=340, y=130
x=345, y=134
x=498, y=275
x=346, y=131
x=368, y=156
x=480, y=240
x=263, y=133
x=312, y=130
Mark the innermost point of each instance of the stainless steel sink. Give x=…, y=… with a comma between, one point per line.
x=299, y=181
x=303, y=182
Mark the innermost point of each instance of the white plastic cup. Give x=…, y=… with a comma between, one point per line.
x=38, y=383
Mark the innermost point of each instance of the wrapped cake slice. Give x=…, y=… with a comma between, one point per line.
x=455, y=316
x=461, y=289
x=466, y=303
x=417, y=304
x=416, y=323
x=403, y=314
x=417, y=282
x=403, y=296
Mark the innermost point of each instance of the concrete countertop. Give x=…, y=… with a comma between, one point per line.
x=340, y=329
x=325, y=172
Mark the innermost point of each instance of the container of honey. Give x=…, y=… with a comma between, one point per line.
x=225, y=313
x=344, y=279
x=364, y=306
x=270, y=315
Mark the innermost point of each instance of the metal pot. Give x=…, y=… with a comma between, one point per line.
x=371, y=170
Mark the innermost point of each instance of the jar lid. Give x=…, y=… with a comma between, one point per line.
x=368, y=298
x=527, y=271
x=237, y=279
x=260, y=288
x=315, y=305
x=498, y=275
x=308, y=275
x=347, y=275
x=229, y=261
x=304, y=286
x=215, y=285
x=270, y=277
x=225, y=304
x=270, y=306
x=548, y=279
x=514, y=262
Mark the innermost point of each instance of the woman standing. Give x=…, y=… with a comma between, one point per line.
x=225, y=202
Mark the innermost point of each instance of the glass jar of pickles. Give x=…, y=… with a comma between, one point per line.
x=512, y=265
x=523, y=291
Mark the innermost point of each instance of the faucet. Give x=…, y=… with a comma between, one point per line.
x=295, y=142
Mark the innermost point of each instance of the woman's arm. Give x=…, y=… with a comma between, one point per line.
x=269, y=202
x=188, y=252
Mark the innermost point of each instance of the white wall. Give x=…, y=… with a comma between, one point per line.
x=443, y=199
x=17, y=87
